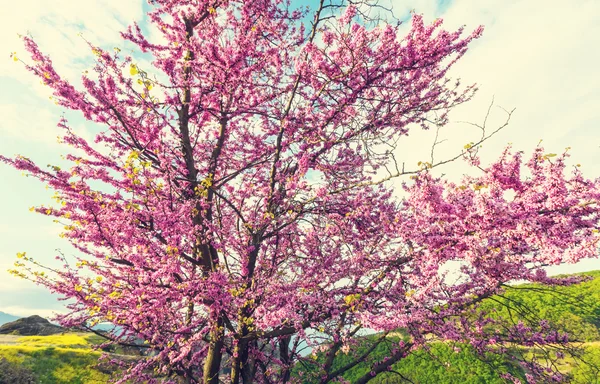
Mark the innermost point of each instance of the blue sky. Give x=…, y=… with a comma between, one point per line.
x=537, y=58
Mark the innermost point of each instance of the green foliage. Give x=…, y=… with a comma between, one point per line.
x=442, y=363
x=589, y=372
x=574, y=309
x=445, y=364
x=381, y=352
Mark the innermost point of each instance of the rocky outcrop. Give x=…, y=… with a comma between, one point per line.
x=31, y=326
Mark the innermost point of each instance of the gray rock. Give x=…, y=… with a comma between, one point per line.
x=31, y=326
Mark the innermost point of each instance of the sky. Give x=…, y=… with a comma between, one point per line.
x=537, y=58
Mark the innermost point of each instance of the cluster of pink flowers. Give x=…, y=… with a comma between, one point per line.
x=239, y=217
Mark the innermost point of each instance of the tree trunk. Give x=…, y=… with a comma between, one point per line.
x=284, y=355
x=236, y=363
x=247, y=364
x=212, y=364
x=242, y=367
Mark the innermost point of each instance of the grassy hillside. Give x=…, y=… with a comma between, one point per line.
x=574, y=309
x=57, y=359
x=441, y=364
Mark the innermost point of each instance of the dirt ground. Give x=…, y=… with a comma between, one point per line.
x=8, y=339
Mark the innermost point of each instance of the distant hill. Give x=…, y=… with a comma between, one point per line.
x=106, y=327
x=31, y=326
x=6, y=318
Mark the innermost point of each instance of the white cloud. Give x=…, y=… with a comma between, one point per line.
x=539, y=58
x=56, y=28
x=25, y=311
x=27, y=113
x=17, y=123
x=28, y=124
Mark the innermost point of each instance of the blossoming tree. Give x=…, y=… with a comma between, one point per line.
x=237, y=206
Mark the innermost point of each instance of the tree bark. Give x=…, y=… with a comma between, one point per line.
x=212, y=364
x=236, y=362
x=284, y=355
x=242, y=367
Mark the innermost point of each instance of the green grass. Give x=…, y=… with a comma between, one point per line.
x=57, y=359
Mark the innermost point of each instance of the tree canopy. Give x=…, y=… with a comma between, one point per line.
x=237, y=206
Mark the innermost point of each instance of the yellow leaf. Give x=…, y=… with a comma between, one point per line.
x=133, y=69
x=349, y=299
